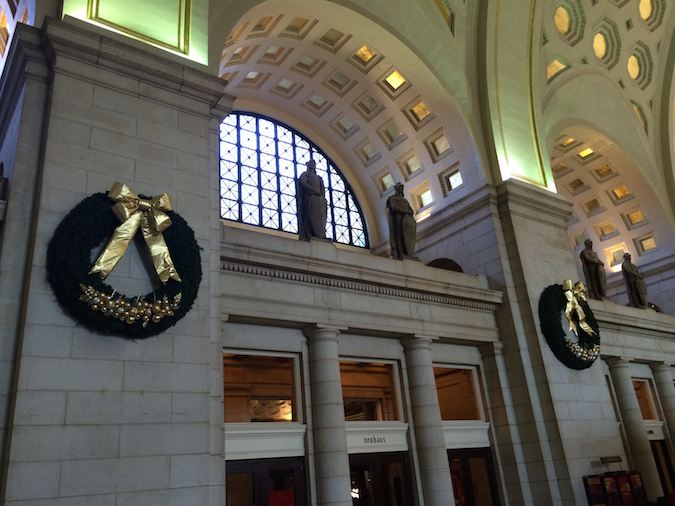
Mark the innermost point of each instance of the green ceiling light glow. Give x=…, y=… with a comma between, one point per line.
x=178, y=26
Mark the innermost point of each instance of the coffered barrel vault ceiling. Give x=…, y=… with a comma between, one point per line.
x=604, y=95
x=612, y=204
x=622, y=48
x=387, y=118
x=375, y=107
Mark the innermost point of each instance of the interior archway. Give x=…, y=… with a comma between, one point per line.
x=362, y=95
x=615, y=208
x=620, y=87
x=602, y=108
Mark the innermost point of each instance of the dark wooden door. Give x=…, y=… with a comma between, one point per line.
x=266, y=482
x=381, y=479
x=473, y=478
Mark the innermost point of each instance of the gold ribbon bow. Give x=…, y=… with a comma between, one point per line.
x=575, y=294
x=150, y=216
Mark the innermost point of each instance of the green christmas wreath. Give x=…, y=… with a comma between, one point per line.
x=80, y=288
x=556, y=305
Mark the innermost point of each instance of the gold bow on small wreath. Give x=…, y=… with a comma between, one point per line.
x=575, y=294
x=147, y=214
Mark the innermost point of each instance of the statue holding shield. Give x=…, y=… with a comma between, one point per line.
x=402, y=225
x=312, y=204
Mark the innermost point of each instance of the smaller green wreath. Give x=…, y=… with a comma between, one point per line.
x=580, y=354
x=89, y=225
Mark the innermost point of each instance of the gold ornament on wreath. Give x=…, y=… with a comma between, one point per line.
x=78, y=284
x=130, y=311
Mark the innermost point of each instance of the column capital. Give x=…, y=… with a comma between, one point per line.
x=417, y=341
x=321, y=332
x=617, y=362
x=661, y=366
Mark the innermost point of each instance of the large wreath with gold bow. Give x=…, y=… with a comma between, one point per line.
x=117, y=217
x=568, y=324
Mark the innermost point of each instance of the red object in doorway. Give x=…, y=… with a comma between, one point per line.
x=282, y=497
x=625, y=490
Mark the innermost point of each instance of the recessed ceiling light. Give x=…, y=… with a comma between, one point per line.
x=364, y=54
x=600, y=45
x=561, y=19
x=317, y=100
x=395, y=80
x=633, y=66
x=285, y=84
x=585, y=153
x=420, y=110
x=635, y=217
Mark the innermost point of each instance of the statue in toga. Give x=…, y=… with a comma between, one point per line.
x=312, y=204
x=594, y=272
x=635, y=283
x=402, y=225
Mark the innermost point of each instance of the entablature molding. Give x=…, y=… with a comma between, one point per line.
x=634, y=334
x=268, y=271
x=323, y=263
x=298, y=282
x=630, y=320
x=82, y=42
x=533, y=203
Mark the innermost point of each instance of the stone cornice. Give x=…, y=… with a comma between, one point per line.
x=532, y=202
x=88, y=43
x=325, y=264
x=350, y=284
x=642, y=321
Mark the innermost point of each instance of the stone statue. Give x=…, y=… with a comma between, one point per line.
x=312, y=204
x=635, y=283
x=594, y=272
x=402, y=225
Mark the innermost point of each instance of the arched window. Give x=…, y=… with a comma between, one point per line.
x=260, y=160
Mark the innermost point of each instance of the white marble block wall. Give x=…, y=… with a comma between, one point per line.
x=102, y=420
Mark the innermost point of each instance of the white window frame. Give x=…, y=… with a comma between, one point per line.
x=396, y=380
x=297, y=377
x=477, y=388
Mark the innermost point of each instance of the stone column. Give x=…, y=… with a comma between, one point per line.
x=663, y=377
x=333, y=482
x=640, y=449
x=433, y=457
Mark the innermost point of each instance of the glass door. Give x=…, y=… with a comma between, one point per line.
x=380, y=479
x=266, y=482
x=473, y=479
